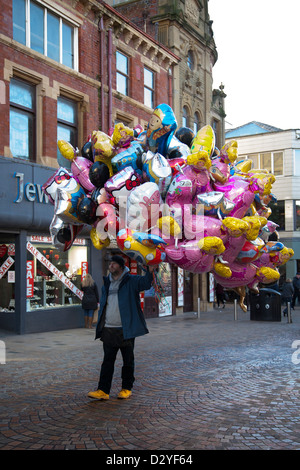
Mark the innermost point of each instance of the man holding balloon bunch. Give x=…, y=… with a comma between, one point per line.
x=120, y=321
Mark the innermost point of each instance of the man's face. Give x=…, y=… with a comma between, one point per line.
x=114, y=268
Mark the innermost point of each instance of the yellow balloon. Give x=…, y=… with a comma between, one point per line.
x=222, y=269
x=97, y=242
x=169, y=226
x=66, y=149
x=211, y=245
x=244, y=166
x=204, y=140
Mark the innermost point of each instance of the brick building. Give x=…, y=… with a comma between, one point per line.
x=67, y=68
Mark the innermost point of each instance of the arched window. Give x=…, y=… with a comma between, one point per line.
x=190, y=60
x=185, y=117
x=196, y=124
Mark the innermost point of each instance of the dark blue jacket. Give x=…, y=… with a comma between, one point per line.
x=132, y=317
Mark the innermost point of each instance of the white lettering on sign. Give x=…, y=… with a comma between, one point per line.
x=84, y=269
x=29, y=279
x=48, y=239
x=54, y=270
x=5, y=266
x=33, y=192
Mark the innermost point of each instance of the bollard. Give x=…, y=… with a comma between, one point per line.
x=289, y=315
x=235, y=309
x=198, y=307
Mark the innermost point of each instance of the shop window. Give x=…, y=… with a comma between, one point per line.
x=67, y=118
x=54, y=277
x=22, y=119
x=278, y=214
x=148, y=88
x=7, y=273
x=122, y=73
x=42, y=30
x=297, y=215
x=165, y=276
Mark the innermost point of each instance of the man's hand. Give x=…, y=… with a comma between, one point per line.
x=152, y=268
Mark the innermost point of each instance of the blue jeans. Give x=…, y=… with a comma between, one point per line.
x=107, y=369
x=88, y=313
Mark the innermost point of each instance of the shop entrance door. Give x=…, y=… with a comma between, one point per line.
x=188, y=292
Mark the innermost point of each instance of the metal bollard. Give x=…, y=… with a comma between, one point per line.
x=198, y=307
x=289, y=314
x=235, y=309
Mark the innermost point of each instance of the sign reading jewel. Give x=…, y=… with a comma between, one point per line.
x=54, y=270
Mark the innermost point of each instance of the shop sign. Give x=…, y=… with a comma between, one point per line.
x=84, y=269
x=6, y=265
x=29, y=279
x=32, y=191
x=42, y=259
x=48, y=239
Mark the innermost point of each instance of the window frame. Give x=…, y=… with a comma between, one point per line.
x=29, y=112
x=146, y=87
x=259, y=155
x=68, y=124
x=63, y=19
x=122, y=73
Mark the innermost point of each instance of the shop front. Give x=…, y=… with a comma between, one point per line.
x=39, y=285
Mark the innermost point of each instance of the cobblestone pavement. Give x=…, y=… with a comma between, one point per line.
x=208, y=383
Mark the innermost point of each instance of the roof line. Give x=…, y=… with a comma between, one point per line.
x=126, y=20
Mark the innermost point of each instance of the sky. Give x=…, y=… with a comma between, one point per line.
x=258, y=44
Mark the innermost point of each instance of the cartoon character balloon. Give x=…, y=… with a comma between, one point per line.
x=167, y=195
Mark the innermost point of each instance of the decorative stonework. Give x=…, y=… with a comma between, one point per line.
x=192, y=11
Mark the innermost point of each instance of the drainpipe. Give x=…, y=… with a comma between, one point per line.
x=170, y=86
x=109, y=79
x=102, y=39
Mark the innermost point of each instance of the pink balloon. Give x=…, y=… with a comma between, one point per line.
x=241, y=275
x=188, y=256
x=187, y=184
x=238, y=191
x=80, y=167
x=200, y=226
x=233, y=247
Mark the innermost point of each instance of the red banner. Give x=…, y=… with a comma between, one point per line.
x=29, y=279
x=84, y=269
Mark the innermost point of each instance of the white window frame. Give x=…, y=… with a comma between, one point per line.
x=248, y=157
x=61, y=17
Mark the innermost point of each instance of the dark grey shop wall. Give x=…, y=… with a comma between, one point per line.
x=22, y=202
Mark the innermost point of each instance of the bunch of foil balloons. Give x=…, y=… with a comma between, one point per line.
x=169, y=195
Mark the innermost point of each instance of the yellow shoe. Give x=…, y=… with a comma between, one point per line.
x=124, y=393
x=99, y=395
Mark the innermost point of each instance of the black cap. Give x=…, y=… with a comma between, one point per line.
x=118, y=259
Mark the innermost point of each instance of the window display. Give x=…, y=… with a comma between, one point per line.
x=7, y=273
x=53, y=278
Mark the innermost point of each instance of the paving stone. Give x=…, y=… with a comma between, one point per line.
x=208, y=383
